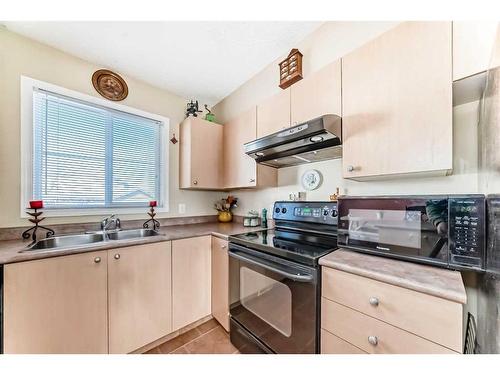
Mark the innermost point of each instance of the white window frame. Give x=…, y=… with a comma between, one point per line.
x=27, y=86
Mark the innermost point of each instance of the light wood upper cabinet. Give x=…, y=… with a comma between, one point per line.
x=397, y=103
x=56, y=305
x=191, y=280
x=220, y=282
x=273, y=114
x=240, y=170
x=139, y=295
x=200, y=154
x=473, y=43
x=318, y=94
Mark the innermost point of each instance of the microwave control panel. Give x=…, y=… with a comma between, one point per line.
x=467, y=232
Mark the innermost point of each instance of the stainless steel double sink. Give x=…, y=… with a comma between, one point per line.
x=54, y=243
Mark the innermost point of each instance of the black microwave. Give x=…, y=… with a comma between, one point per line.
x=442, y=230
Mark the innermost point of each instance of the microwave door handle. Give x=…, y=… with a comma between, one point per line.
x=268, y=266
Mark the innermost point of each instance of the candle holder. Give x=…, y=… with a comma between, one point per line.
x=156, y=223
x=35, y=220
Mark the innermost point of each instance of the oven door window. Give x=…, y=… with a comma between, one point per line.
x=268, y=299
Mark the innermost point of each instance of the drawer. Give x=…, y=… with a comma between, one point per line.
x=356, y=328
x=433, y=318
x=331, y=344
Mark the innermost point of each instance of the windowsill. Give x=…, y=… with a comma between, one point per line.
x=58, y=212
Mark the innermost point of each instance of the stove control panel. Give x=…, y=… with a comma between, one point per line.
x=312, y=212
x=467, y=231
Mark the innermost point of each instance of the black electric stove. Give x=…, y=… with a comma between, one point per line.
x=275, y=280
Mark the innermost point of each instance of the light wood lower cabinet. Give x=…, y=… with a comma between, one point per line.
x=331, y=344
x=398, y=320
x=220, y=282
x=139, y=287
x=191, y=280
x=372, y=335
x=56, y=305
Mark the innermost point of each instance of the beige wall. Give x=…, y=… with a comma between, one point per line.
x=22, y=56
x=330, y=42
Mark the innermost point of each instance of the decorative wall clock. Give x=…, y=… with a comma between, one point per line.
x=110, y=85
x=311, y=179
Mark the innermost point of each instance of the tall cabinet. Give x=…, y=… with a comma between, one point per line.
x=397, y=103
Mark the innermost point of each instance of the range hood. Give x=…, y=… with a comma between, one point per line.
x=315, y=140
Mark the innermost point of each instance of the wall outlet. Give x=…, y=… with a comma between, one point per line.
x=182, y=208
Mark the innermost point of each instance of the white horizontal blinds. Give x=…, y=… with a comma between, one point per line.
x=90, y=156
x=136, y=159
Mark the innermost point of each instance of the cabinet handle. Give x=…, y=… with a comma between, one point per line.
x=97, y=260
x=223, y=246
x=373, y=340
x=252, y=180
x=373, y=301
x=350, y=168
x=117, y=256
x=195, y=182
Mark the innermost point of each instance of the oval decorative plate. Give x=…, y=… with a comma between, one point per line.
x=311, y=179
x=110, y=85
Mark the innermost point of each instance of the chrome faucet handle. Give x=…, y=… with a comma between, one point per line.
x=118, y=223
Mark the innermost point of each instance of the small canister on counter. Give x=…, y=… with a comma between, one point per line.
x=252, y=219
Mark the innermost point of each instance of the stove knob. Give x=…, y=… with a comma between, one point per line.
x=325, y=212
x=334, y=213
x=277, y=210
x=283, y=210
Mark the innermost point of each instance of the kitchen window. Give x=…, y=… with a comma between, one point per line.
x=87, y=155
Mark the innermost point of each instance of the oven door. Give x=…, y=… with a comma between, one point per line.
x=275, y=300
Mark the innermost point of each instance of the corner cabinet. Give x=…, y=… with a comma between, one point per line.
x=240, y=170
x=56, y=305
x=397, y=103
x=191, y=280
x=139, y=287
x=200, y=155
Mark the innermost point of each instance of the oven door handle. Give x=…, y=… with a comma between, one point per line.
x=270, y=267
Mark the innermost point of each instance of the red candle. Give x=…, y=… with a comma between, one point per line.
x=152, y=204
x=36, y=204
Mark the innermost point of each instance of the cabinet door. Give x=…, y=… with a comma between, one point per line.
x=397, y=103
x=56, y=305
x=200, y=154
x=139, y=295
x=240, y=170
x=191, y=280
x=473, y=43
x=273, y=114
x=220, y=282
x=318, y=94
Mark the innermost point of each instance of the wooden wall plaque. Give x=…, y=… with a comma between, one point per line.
x=291, y=69
x=110, y=85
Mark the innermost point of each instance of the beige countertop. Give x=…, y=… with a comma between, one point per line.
x=12, y=251
x=430, y=280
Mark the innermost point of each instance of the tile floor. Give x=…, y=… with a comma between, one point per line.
x=207, y=338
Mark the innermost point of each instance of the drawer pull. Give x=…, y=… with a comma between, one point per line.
x=373, y=301
x=373, y=340
x=117, y=256
x=97, y=260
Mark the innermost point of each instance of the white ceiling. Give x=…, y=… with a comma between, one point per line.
x=199, y=60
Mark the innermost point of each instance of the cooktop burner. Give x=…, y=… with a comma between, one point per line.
x=301, y=247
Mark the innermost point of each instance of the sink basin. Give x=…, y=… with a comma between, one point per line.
x=66, y=241
x=132, y=233
x=54, y=243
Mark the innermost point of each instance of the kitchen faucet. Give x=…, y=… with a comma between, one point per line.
x=107, y=222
